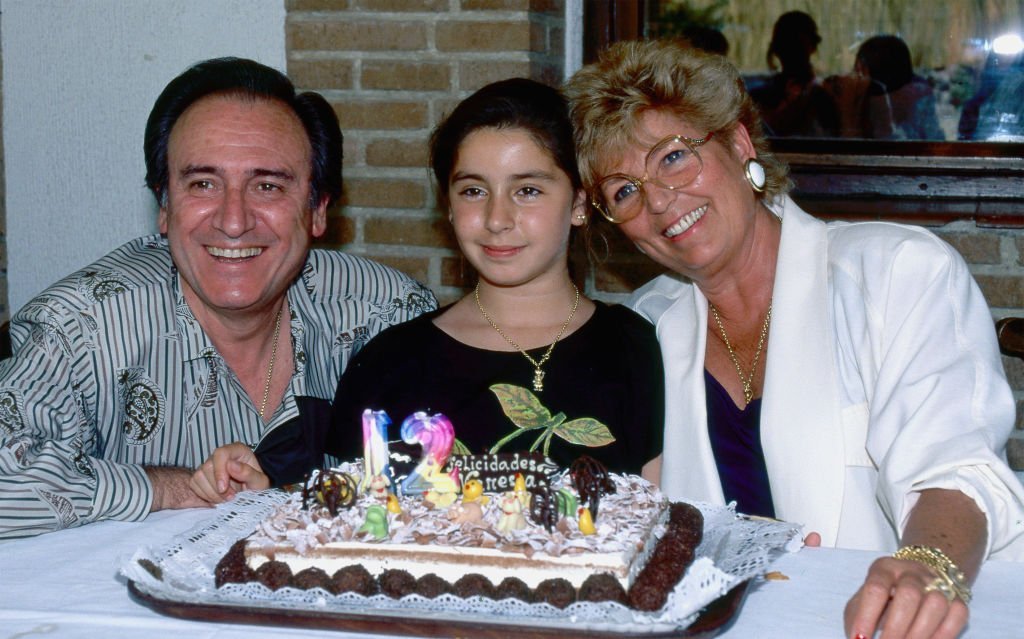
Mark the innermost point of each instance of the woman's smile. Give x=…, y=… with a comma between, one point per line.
x=685, y=222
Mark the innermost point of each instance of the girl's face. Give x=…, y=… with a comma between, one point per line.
x=512, y=207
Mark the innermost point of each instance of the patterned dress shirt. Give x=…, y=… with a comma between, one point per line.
x=112, y=372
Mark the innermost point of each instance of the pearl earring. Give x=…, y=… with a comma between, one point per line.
x=755, y=174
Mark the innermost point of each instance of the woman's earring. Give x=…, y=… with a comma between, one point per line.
x=754, y=171
x=582, y=217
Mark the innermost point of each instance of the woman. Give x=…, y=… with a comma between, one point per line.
x=844, y=376
x=505, y=167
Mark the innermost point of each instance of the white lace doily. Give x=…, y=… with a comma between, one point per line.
x=734, y=549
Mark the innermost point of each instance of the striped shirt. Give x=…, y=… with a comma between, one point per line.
x=112, y=372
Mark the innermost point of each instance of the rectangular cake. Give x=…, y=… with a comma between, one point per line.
x=467, y=538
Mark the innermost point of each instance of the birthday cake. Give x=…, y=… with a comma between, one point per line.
x=581, y=533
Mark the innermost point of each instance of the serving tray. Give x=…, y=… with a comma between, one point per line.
x=712, y=619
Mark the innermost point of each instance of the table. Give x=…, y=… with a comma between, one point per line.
x=66, y=584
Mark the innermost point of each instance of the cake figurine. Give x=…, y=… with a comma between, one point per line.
x=375, y=450
x=586, y=522
x=393, y=505
x=521, y=493
x=511, y=513
x=376, y=522
x=379, y=487
x=473, y=491
x=566, y=501
x=444, y=487
x=466, y=513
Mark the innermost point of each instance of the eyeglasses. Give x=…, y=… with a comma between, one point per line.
x=671, y=164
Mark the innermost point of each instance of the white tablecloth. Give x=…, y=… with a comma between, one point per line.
x=66, y=584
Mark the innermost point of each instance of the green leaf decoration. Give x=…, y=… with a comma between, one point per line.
x=458, y=448
x=585, y=431
x=521, y=406
x=527, y=413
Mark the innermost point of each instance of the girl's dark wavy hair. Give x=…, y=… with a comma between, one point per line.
x=517, y=103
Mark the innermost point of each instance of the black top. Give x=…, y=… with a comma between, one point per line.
x=736, y=442
x=609, y=369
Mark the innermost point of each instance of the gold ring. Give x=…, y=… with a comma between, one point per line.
x=941, y=585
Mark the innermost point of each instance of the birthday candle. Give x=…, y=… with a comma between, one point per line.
x=375, y=447
x=436, y=435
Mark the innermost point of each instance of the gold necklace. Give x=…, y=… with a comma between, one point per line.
x=538, y=374
x=746, y=380
x=273, y=358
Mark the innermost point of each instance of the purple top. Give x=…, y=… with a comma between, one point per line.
x=736, y=443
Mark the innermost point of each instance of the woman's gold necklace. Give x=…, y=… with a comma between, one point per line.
x=273, y=358
x=538, y=373
x=746, y=380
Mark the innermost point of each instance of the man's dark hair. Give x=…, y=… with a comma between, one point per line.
x=246, y=79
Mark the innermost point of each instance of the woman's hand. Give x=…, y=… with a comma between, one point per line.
x=897, y=596
x=893, y=599
x=229, y=469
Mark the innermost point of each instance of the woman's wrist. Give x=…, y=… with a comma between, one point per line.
x=949, y=580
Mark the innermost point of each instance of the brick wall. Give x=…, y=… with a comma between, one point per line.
x=393, y=68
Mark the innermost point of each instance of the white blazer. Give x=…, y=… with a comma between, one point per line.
x=883, y=378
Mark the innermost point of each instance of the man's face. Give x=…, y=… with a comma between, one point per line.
x=237, y=208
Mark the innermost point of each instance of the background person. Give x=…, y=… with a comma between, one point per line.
x=792, y=102
x=127, y=374
x=886, y=99
x=844, y=376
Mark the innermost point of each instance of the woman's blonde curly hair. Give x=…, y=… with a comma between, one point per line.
x=629, y=78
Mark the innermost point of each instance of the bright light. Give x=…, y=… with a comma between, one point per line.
x=1009, y=44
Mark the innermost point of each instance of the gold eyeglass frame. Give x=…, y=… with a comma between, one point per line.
x=692, y=143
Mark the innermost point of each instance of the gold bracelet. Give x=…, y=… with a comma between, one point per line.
x=951, y=581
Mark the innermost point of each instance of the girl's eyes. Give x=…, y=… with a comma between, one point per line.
x=471, y=191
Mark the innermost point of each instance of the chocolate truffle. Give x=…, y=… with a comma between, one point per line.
x=473, y=584
x=311, y=578
x=430, y=586
x=232, y=567
x=515, y=588
x=274, y=574
x=354, y=578
x=602, y=587
x=558, y=592
x=396, y=583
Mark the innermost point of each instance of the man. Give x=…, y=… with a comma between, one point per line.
x=225, y=328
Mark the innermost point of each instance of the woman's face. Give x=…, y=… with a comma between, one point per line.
x=698, y=229
x=512, y=207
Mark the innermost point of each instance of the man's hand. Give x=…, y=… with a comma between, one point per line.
x=230, y=469
x=171, y=488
